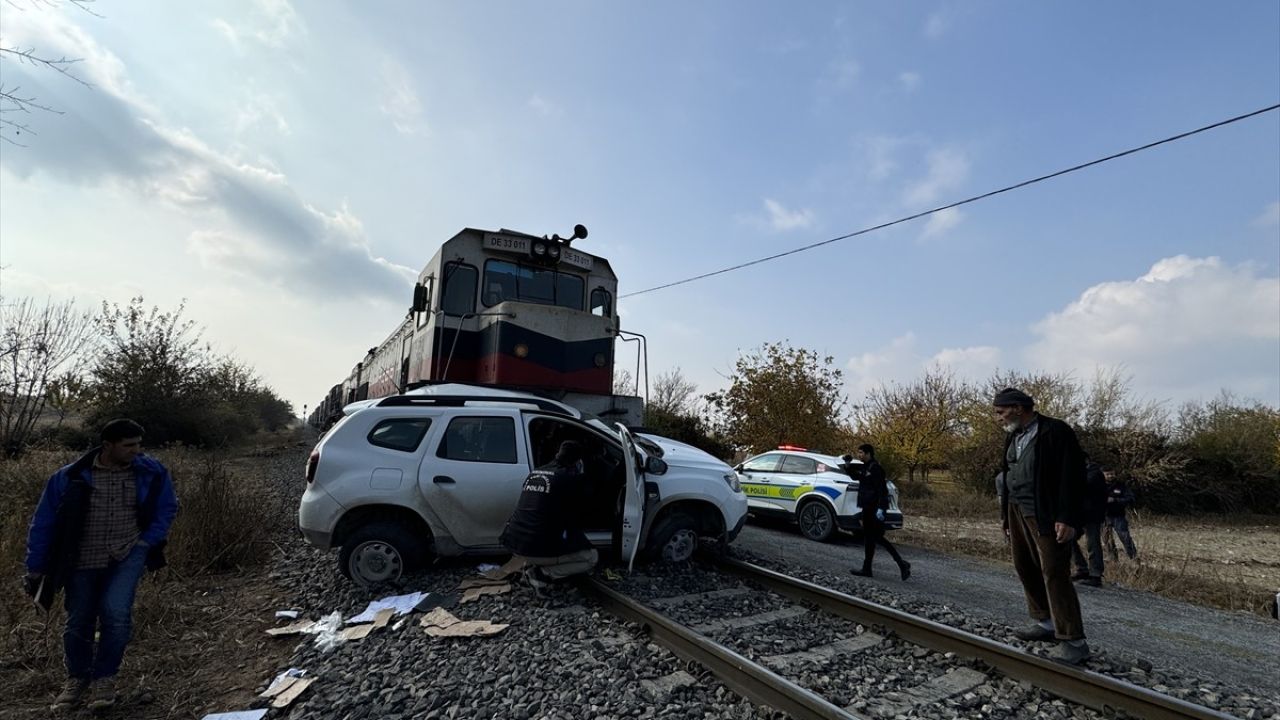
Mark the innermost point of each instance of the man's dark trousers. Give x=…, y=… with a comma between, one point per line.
x=101, y=600
x=1093, y=544
x=1044, y=567
x=873, y=533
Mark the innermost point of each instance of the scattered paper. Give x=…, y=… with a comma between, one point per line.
x=475, y=593
x=292, y=692
x=237, y=715
x=292, y=629
x=290, y=614
x=326, y=630
x=382, y=618
x=400, y=603
x=511, y=567
x=486, y=567
x=283, y=680
x=439, y=618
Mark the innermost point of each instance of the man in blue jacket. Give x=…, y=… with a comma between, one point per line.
x=101, y=522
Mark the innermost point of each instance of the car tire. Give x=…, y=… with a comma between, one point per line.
x=673, y=538
x=817, y=520
x=379, y=553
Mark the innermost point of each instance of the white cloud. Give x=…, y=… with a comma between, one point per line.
x=272, y=23
x=260, y=109
x=948, y=169
x=909, y=80
x=942, y=222
x=973, y=364
x=782, y=219
x=1187, y=328
x=544, y=107
x=254, y=220
x=842, y=74
x=1269, y=217
x=399, y=101
x=882, y=152
x=936, y=25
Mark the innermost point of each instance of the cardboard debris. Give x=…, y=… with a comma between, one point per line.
x=283, y=679
x=481, y=582
x=383, y=617
x=439, y=618
x=476, y=592
x=511, y=567
x=402, y=604
x=356, y=632
x=291, y=629
x=468, y=628
x=290, y=614
x=442, y=623
x=291, y=693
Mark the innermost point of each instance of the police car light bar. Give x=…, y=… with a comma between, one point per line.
x=793, y=447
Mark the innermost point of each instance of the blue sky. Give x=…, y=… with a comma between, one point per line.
x=284, y=167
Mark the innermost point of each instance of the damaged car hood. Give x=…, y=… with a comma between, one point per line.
x=678, y=454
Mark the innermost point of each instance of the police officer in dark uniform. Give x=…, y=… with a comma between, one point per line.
x=873, y=501
x=545, y=531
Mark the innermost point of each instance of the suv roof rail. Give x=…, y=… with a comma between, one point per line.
x=462, y=400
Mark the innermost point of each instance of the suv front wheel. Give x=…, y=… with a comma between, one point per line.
x=378, y=553
x=674, y=538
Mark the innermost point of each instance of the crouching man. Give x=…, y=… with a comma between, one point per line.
x=545, y=531
x=101, y=522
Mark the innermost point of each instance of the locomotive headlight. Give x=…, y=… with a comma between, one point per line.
x=539, y=249
x=599, y=360
x=554, y=252
x=522, y=350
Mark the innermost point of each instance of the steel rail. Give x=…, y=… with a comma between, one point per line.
x=740, y=674
x=1090, y=689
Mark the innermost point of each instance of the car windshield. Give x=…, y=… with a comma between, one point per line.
x=650, y=447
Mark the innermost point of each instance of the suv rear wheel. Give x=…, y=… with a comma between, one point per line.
x=817, y=521
x=378, y=553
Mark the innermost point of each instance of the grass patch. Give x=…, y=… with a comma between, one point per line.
x=1225, y=562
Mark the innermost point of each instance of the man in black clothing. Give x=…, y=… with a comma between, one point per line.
x=1089, y=572
x=1044, y=473
x=1119, y=498
x=873, y=500
x=545, y=531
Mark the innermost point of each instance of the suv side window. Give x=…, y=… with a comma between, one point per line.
x=402, y=434
x=764, y=463
x=797, y=465
x=479, y=439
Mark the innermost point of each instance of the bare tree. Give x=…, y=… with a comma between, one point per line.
x=673, y=394
x=623, y=382
x=40, y=347
x=17, y=104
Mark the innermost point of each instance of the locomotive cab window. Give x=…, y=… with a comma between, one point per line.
x=505, y=280
x=601, y=302
x=458, y=296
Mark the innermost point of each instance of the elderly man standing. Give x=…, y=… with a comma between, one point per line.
x=1045, y=479
x=101, y=522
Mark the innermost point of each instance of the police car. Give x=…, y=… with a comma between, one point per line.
x=807, y=487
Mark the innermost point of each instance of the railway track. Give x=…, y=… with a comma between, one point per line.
x=825, y=634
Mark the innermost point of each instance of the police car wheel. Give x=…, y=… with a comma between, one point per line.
x=377, y=553
x=817, y=521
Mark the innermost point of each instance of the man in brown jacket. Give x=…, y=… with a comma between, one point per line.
x=1044, y=471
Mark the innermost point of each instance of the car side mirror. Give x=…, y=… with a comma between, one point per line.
x=737, y=468
x=655, y=466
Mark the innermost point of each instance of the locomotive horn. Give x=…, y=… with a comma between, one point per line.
x=579, y=232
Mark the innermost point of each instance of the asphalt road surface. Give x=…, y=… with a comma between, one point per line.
x=1232, y=647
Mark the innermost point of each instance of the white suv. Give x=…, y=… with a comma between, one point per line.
x=439, y=470
x=810, y=488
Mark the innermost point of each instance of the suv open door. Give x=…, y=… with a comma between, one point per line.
x=633, y=498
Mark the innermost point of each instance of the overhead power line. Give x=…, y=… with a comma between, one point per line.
x=956, y=204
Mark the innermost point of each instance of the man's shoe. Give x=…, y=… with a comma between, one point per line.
x=860, y=572
x=1092, y=581
x=1071, y=653
x=72, y=692
x=906, y=569
x=102, y=693
x=1033, y=633
x=537, y=579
